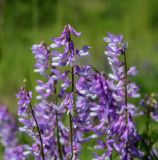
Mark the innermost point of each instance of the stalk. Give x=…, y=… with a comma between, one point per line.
x=126, y=81
x=38, y=128
x=58, y=138
x=126, y=95
x=70, y=116
x=57, y=131
x=72, y=90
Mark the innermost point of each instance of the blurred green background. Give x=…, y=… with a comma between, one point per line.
x=25, y=22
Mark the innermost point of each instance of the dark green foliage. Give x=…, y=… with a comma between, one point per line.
x=147, y=144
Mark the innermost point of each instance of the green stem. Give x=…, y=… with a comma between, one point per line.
x=58, y=137
x=71, y=134
x=38, y=130
x=125, y=92
x=57, y=123
x=126, y=80
x=70, y=116
x=73, y=91
x=37, y=126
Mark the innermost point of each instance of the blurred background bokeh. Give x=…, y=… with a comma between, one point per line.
x=25, y=22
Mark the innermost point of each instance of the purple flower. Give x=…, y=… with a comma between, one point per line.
x=17, y=153
x=24, y=101
x=123, y=137
x=116, y=45
x=8, y=137
x=122, y=134
x=85, y=71
x=64, y=37
x=24, y=112
x=7, y=126
x=41, y=52
x=114, y=50
x=64, y=79
x=96, y=105
x=68, y=57
x=67, y=104
x=132, y=71
x=45, y=90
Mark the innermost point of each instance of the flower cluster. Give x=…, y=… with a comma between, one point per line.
x=8, y=136
x=7, y=125
x=42, y=57
x=122, y=135
x=68, y=57
x=43, y=123
x=76, y=104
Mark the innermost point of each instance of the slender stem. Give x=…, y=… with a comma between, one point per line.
x=37, y=126
x=70, y=116
x=71, y=134
x=57, y=122
x=73, y=80
x=126, y=80
x=58, y=138
x=126, y=94
x=39, y=132
x=72, y=90
x=126, y=97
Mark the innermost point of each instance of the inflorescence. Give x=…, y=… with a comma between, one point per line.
x=76, y=104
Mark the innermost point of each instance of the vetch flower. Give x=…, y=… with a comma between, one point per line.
x=41, y=52
x=17, y=153
x=64, y=37
x=122, y=135
x=7, y=126
x=24, y=101
x=8, y=137
x=27, y=116
x=68, y=57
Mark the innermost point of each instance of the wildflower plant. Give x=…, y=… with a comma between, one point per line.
x=98, y=105
x=77, y=104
